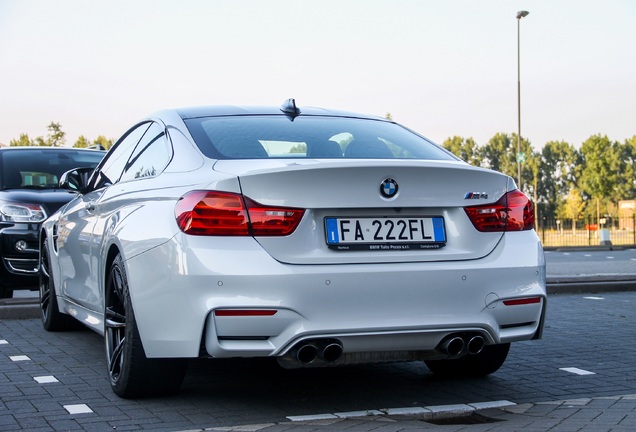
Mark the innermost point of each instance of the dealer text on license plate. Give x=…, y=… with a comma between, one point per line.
x=403, y=233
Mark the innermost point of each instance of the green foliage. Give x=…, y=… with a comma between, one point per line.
x=82, y=142
x=573, y=206
x=500, y=154
x=23, y=141
x=606, y=172
x=465, y=149
x=104, y=142
x=56, y=137
x=559, y=161
x=602, y=172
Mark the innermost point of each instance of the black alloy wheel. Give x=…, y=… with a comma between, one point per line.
x=131, y=373
x=52, y=318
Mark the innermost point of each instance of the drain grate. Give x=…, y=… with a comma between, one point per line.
x=472, y=419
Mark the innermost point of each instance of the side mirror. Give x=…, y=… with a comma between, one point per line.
x=76, y=179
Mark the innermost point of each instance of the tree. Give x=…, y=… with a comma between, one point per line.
x=56, y=137
x=626, y=169
x=82, y=142
x=465, y=149
x=573, y=207
x=598, y=172
x=559, y=161
x=500, y=154
x=103, y=141
x=388, y=116
x=23, y=141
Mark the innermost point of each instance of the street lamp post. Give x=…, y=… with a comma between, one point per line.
x=520, y=15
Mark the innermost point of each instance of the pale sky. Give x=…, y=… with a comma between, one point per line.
x=442, y=68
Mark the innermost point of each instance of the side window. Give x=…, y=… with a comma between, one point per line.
x=115, y=162
x=151, y=155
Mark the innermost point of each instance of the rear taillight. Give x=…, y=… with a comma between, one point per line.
x=229, y=214
x=513, y=212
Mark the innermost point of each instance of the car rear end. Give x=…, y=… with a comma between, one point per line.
x=392, y=250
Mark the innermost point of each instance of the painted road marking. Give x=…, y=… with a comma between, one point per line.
x=78, y=409
x=577, y=371
x=46, y=379
x=594, y=298
x=19, y=358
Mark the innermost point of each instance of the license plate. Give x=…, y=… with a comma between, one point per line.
x=403, y=233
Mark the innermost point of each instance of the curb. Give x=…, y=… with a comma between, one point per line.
x=19, y=311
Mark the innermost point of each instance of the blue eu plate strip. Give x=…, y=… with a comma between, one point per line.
x=332, y=230
x=438, y=229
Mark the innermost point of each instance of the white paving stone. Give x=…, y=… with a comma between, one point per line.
x=19, y=358
x=46, y=379
x=78, y=409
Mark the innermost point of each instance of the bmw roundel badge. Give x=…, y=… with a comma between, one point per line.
x=388, y=188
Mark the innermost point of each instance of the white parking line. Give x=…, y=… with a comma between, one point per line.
x=577, y=371
x=3, y=342
x=594, y=298
x=19, y=358
x=78, y=409
x=46, y=379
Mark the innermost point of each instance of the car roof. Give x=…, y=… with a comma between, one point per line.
x=237, y=110
x=40, y=148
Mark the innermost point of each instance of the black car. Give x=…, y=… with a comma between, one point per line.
x=29, y=194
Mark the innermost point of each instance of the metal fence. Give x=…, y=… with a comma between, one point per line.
x=588, y=231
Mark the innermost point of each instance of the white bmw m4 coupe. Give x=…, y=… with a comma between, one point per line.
x=312, y=236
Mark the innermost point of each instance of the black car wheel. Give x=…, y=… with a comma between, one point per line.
x=488, y=361
x=131, y=373
x=6, y=292
x=52, y=318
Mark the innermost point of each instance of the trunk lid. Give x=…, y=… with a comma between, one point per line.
x=351, y=190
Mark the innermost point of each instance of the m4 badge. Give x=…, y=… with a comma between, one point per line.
x=476, y=195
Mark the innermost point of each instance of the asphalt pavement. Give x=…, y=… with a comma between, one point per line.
x=569, y=271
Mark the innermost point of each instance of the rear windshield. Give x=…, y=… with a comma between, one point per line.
x=261, y=137
x=41, y=169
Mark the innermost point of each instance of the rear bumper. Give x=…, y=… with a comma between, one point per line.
x=398, y=307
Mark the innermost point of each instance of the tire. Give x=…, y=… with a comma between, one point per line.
x=6, y=293
x=488, y=361
x=52, y=319
x=130, y=372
